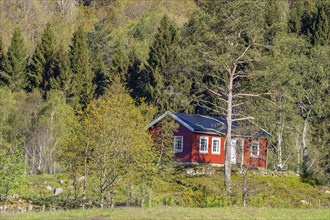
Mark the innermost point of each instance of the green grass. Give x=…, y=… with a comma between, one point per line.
x=176, y=213
x=266, y=189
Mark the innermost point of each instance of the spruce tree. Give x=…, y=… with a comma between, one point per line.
x=276, y=18
x=3, y=80
x=322, y=26
x=82, y=74
x=61, y=72
x=136, y=79
x=101, y=56
x=40, y=68
x=15, y=63
x=166, y=87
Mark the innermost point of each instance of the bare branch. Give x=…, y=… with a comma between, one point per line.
x=242, y=119
x=238, y=104
x=238, y=95
x=242, y=55
x=215, y=106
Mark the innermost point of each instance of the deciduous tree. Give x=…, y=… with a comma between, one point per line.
x=119, y=143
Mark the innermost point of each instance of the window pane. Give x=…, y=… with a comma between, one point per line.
x=255, y=148
x=203, y=145
x=178, y=144
x=216, y=146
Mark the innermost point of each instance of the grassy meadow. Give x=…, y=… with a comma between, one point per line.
x=179, y=195
x=176, y=213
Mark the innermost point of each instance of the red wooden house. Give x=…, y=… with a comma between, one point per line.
x=201, y=138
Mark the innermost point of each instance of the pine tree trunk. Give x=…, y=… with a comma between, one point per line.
x=228, y=135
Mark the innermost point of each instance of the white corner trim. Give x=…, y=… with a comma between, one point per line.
x=168, y=113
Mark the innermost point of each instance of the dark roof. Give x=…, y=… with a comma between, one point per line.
x=204, y=123
x=216, y=125
x=211, y=125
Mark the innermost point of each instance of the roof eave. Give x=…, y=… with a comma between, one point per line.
x=168, y=113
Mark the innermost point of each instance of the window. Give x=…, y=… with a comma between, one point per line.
x=203, y=145
x=254, y=149
x=215, y=145
x=178, y=143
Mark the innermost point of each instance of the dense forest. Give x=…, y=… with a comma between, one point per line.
x=81, y=79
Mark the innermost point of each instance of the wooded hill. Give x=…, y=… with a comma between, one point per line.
x=80, y=79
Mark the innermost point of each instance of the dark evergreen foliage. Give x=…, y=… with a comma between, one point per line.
x=102, y=56
x=136, y=80
x=61, y=73
x=322, y=24
x=41, y=69
x=15, y=62
x=3, y=80
x=82, y=74
x=166, y=86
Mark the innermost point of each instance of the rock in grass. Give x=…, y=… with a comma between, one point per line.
x=305, y=202
x=30, y=207
x=57, y=191
x=49, y=187
x=15, y=196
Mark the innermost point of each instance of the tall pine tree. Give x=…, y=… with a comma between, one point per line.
x=101, y=56
x=40, y=68
x=15, y=63
x=82, y=74
x=222, y=38
x=61, y=72
x=322, y=25
x=3, y=80
x=166, y=87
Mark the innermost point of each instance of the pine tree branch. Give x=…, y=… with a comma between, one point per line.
x=242, y=119
x=244, y=52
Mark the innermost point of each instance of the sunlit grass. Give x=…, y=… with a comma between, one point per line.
x=176, y=213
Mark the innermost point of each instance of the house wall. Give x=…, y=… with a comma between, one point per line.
x=259, y=161
x=208, y=157
x=191, y=144
x=184, y=156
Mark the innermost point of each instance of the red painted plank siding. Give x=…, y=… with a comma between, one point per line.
x=259, y=161
x=208, y=157
x=185, y=155
x=191, y=144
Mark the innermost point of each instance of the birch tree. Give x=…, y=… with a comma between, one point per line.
x=119, y=142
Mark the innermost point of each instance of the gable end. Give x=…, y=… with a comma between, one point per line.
x=176, y=118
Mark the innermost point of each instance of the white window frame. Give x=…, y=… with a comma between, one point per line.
x=207, y=145
x=176, y=150
x=258, y=148
x=219, y=147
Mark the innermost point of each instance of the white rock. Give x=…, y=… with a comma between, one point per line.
x=305, y=202
x=15, y=196
x=58, y=191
